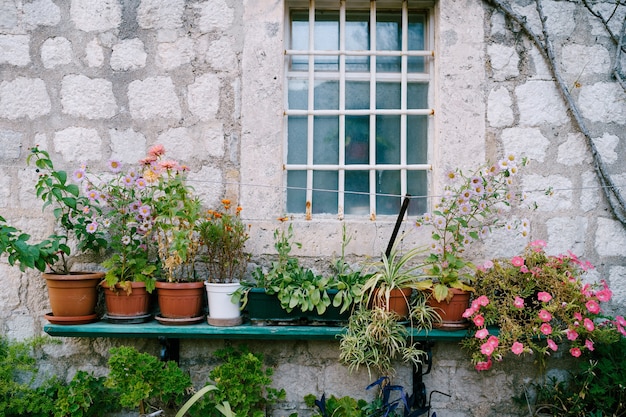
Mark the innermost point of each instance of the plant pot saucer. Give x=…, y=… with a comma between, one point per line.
x=452, y=325
x=71, y=319
x=235, y=321
x=127, y=319
x=178, y=322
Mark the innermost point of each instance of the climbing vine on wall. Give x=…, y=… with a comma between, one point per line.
x=544, y=43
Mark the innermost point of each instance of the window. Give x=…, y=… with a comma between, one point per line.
x=357, y=107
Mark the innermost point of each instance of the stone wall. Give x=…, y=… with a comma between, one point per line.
x=100, y=79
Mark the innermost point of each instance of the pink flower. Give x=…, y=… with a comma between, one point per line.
x=537, y=245
x=544, y=296
x=517, y=261
x=620, y=320
x=469, y=313
x=488, y=265
x=486, y=348
x=493, y=341
x=589, y=345
x=518, y=302
x=482, y=300
x=482, y=333
x=571, y=334
x=545, y=328
x=92, y=227
x=604, y=295
x=156, y=150
x=79, y=175
x=578, y=316
x=168, y=164
x=114, y=165
x=575, y=352
x=479, y=320
x=552, y=345
x=483, y=366
x=517, y=348
x=144, y=211
x=523, y=269
x=588, y=324
x=545, y=315
x=592, y=306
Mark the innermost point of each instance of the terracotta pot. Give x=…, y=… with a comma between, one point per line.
x=451, y=312
x=73, y=295
x=398, y=301
x=121, y=304
x=180, y=300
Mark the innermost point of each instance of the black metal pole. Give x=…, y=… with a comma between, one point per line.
x=405, y=206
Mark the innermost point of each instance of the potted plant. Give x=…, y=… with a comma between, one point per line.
x=537, y=304
x=73, y=295
x=466, y=213
x=123, y=199
x=176, y=213
x=289, y=292
x=223, y=236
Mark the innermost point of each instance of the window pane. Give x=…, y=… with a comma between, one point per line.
x=387, y=139
x=326, y=140
x=417, y=140
x=357, y=139
x=357, y=95
x=298, y=94
x=357, y=39
x=296, y=131
x=326, y=95
x=388, y=95
x=325, y=201
x=326, y=39
x=388, y=190
x=388, y=38
x=416, y=42
x=296, y=191
x=357, y=188
x=417, y=96
x=300, y=40
x=417, y=186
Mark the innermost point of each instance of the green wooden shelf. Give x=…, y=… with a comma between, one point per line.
x=204, y=331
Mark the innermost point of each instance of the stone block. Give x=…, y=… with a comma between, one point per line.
x=203, y=96
x=41, y=13
x=78, y=144
x=565, y=234
x=154, y=97
x=56, y=51
x=525, y=142
x=96, y=15
x=573, y=151
x=94, y=56
x=174, y=54
x=504, y=61
x=14, y=50
x=597, y=60
x=10, y=144
x=127, y=145
x=214, y=15
x=24, y=97
x=539, y=103
x=82, y=96
x=160, y=14
x=559, y=188
x=610, y=238
x=128, y=55
x=603, y=102
x=499, y=108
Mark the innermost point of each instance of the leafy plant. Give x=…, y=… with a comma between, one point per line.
x=223, y=235
x=536, y=301
x=467, y=212
x=243, y=383
x=143, y=381
x=85, y=396
x=597, y=389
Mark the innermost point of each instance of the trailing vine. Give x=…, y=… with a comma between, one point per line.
x=543, y=43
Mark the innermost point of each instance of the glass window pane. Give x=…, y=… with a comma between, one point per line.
x=417, y=96
x=417, y=140
x=296, y=191
x=326, y=95
x=388, y=38
x=325, y=201
x=300, y=40
x=296, y=142
x=326, y=140
x=387, y=139
x=297, y=98
x=357, y=95
x=388, y=95
x=357, y=188
x=326, y=39
x=357, y=139
x=357, y=39
x=388, y=192
x=416, y=42
x=417, y=187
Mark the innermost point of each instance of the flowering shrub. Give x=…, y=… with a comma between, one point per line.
x=467, y=212
x=224, y=236
x=537, y=302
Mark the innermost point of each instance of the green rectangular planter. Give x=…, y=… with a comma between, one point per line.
x=266, y=308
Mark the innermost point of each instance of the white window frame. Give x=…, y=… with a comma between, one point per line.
x=372, y=77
